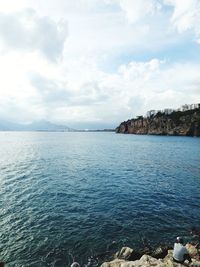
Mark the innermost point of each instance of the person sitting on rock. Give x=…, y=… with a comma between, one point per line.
x=196, y=237
x=180, y=253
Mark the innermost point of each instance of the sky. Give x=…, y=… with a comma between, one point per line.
x=95, y=63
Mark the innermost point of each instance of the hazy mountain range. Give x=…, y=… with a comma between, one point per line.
x=35, y=126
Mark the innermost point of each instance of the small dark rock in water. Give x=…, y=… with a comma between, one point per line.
x=2, y=264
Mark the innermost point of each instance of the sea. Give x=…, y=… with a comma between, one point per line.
x=83, y=195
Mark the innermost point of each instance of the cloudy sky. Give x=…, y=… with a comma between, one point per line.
x=95, y=63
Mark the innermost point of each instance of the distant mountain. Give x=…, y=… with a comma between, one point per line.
x=48, y=126
x=35, y=126
x=10, y=126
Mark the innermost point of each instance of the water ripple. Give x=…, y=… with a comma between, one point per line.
x=85, y=194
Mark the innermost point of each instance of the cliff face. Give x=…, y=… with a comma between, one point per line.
x=185, y=123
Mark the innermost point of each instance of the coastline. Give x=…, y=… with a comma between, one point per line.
x=177, y=123
x=159, y=257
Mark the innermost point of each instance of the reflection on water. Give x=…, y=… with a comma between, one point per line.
x=64, y=194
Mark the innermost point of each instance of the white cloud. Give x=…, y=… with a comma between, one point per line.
x=132, y=90
x=97, y=79
x=186, y=16
x=26, y=31
x=163, y=85
x=138, y=9
x=79, y=91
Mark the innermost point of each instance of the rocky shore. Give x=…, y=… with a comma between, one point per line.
x=177, y=123
x=161, y=257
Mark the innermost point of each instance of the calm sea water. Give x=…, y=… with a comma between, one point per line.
x=83, y=194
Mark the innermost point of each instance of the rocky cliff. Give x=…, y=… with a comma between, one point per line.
x=124, y=259
x=185, y=123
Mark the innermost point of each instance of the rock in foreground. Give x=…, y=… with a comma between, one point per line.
x=148, y=261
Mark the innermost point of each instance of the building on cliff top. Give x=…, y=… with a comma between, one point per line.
x=168, y=111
